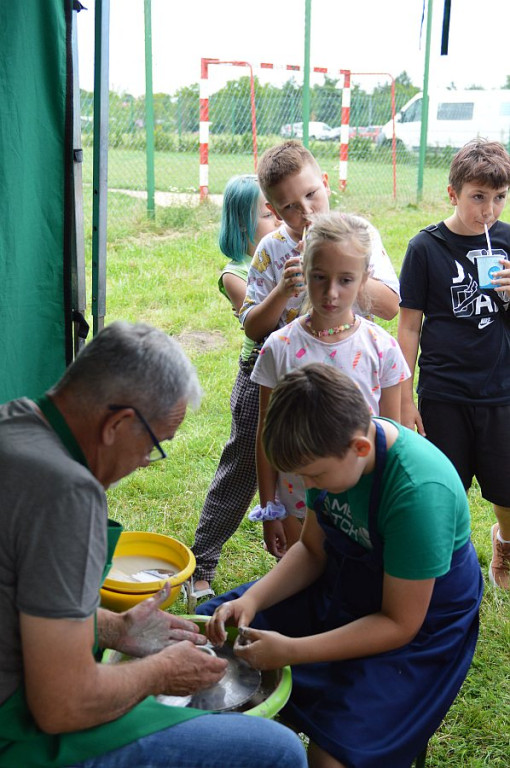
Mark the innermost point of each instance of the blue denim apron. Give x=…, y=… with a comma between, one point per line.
x=377, y=711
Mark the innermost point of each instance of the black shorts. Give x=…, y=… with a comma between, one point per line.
x=476, y=439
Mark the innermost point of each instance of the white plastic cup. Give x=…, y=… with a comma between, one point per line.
x=487, y=266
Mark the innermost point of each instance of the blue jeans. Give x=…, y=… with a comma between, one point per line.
x=230, y=740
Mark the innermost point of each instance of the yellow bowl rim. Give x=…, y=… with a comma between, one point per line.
x=149, y=587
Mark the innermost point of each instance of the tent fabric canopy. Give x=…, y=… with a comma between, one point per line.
x=35, y=144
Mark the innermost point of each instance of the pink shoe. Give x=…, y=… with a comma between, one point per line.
x=499, y=569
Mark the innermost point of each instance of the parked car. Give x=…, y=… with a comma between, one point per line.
x=316, y=130
x=363, y=131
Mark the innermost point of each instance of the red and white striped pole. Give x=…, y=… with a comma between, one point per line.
x=204, y=127
x=204, y=119
x=344, y=129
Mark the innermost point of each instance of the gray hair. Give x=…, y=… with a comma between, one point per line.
x=132, y=365
x=313, y=413
x=337, y=227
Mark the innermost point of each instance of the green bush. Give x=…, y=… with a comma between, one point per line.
x=383, y=153
x=439, y=157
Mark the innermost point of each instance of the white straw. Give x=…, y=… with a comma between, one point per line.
x=489, y=249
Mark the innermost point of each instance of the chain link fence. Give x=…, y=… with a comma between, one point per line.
x=252, y=107
x=278, y=115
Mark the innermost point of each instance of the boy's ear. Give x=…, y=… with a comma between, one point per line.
x=452, y=195
x=362, y=446
x=325, y=181
x=273, y=211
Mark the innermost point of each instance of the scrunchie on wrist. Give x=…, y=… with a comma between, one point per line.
x=272, y=511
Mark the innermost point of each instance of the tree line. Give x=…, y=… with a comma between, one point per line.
x=230, y=107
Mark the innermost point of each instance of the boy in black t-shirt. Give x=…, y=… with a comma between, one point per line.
x=463, y=332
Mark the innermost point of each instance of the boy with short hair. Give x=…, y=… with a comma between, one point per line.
x=464, y=335
x=376, y=606
x=296, y=189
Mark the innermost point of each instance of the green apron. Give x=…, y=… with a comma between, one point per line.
x=22, y=743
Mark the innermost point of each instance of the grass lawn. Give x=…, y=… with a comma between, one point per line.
x=166, y=274
x=368, y=184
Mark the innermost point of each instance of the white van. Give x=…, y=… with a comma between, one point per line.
x=455, y=117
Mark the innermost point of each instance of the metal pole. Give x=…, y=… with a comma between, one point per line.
x=306, y=72
x=149, y=111
x=100, y=175
x=253, y=119
x=424, y=105
x=78, y=290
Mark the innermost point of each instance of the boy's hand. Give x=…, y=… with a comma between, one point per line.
x=263, y=649
x=232, y=613
x=292, y=280
x=274, y=538
x=502, y=279
x=410, y=417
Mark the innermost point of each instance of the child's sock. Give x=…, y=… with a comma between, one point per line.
x=499, y=538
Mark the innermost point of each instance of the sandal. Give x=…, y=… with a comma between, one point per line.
x=194, y=595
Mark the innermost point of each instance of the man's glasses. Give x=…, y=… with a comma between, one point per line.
x=156, y=452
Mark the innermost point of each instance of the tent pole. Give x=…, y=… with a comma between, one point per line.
x=78, y=293
x=100, y=177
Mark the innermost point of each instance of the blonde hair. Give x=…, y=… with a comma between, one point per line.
x=336, y=227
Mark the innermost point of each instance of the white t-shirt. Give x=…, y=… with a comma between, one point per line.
x=370, y=356
x=269, y=261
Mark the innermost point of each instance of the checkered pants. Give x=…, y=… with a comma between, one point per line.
x=235, y=482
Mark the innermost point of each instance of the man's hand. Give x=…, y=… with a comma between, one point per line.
x=185, y=669
x=68, y=691
x=146, y=629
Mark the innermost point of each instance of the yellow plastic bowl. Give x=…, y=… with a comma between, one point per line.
x=121, y=595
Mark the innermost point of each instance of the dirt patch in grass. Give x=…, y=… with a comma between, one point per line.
x=201, y=341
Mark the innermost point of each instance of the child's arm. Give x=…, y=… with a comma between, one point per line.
x=390, y=402
x=382, y=286
x=383, y=299
x=274, y=535
x=301, y=566
x=263, y=318
x=404, y=608
x=409, y=331
x=235, y=287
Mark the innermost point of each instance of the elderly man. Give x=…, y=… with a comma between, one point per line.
x=125, y=394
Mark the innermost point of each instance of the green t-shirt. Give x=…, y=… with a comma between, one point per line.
x=423, y=514
x=239, y=269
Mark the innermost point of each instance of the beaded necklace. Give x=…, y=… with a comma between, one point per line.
x=329, y=331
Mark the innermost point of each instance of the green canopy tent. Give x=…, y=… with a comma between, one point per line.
x=42, y=274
